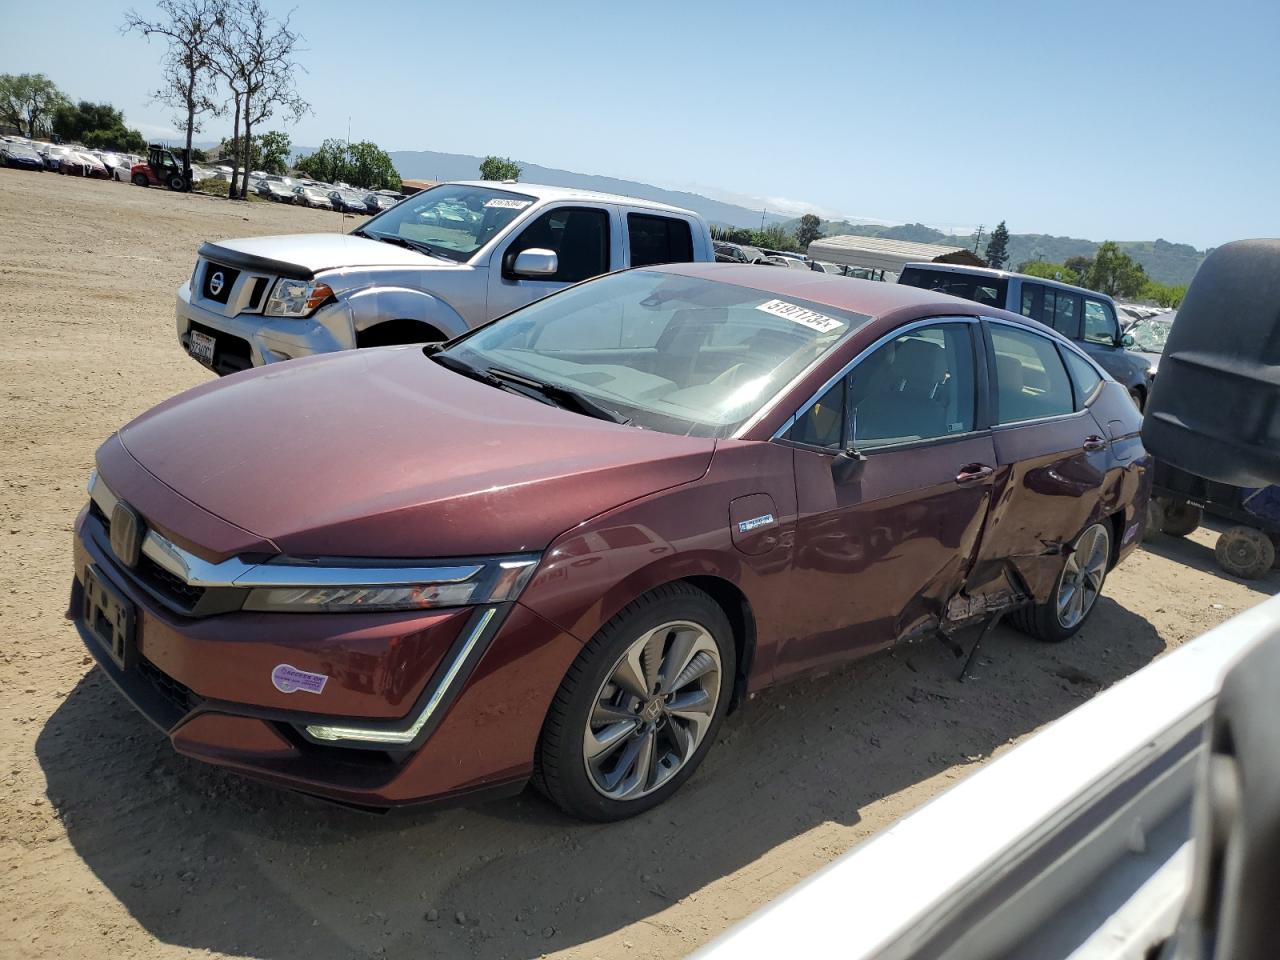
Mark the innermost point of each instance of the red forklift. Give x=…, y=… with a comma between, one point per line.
x=165, y=167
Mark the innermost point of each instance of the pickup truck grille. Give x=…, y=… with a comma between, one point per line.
x=218, y=281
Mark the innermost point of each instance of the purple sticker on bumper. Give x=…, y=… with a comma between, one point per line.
x=287, y=679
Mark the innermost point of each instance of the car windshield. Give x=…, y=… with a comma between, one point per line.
x=1150, y=335
x=672, y=353
x=452, y=219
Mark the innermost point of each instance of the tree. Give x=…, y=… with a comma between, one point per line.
x=327, y=164
x=499, y=168
x=810, y=229
x=248, y=155
x=28, y=100
x=774, y=237
x=273, y=150
x=369, y=166
x=189, y=27
x=1165, y=294
x=998, y=247
x=1079, y=265
x=1115, y=273
x=254, y=53
x=1049, y=271
x=98, y=125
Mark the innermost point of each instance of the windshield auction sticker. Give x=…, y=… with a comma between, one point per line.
x=809, y=318
x=501, y=203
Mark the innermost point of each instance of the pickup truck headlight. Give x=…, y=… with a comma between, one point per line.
x=292, y=587
x=296, y=298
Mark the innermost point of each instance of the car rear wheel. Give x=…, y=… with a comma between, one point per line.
x=1245, y=552
x=640, y=706
x=1076, y=592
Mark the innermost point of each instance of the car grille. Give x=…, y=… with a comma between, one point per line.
x=178, y=695
x=218, y=281
x=172, y=590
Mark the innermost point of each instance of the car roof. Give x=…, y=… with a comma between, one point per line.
x=1004, y=275
x=544, y=192
x=872, y=298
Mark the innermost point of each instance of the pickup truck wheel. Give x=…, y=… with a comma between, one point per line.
x=140, y=180
x=1076, y=592
x=396, y=332
x=640, y=706
x=1138, y=397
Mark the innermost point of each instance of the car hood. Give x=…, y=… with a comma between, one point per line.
x=385, y=453
x=321, y=251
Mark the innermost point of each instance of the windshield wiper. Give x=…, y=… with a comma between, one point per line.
x=559, y=395
x=450, y=362
x=398, y=241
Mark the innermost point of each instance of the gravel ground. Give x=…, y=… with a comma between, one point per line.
x=110, y=844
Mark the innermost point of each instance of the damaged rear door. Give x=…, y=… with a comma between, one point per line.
x=885, y=538
x=1052, y=460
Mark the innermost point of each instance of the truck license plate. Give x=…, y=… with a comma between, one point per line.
x=200, y=346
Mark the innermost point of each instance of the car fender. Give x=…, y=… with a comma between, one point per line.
x=377, y=304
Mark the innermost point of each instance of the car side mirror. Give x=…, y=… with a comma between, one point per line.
x=1126, y=340
x=536, y=262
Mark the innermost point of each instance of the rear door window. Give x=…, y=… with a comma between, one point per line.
x=1084, y=377
x=1062, y=312
x=659, y=240
x=1100, y=323
x=1031, y=381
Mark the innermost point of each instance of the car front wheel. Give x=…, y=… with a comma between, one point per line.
x=640, y=706
x=1076, y=591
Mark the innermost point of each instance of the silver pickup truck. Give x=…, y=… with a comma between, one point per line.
x=431, y=267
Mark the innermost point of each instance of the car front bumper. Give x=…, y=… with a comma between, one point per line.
x=254, y=339
x=207, y=684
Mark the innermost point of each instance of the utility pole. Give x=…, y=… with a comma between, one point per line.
x=978, y=237
x=762, y=213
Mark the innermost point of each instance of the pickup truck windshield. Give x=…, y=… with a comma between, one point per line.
x=666, y=352
x=452, y=220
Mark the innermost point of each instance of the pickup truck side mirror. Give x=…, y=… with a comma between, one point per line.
x=536, y=262
x=1126, y=340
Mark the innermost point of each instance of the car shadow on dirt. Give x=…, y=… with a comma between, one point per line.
x=207, y=860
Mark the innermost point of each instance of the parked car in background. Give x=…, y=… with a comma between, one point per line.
x=78, y=164
x=377, y=202
x=272, y=190
x=305, y=196
x=53, y=154
x=20, y=156
x=442, y=261
x=348, y=201
x=1085, y=316
x=586, y=543
x=740, y=252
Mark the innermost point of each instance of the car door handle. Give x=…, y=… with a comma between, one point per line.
x=974, y=473
x=1094, y=443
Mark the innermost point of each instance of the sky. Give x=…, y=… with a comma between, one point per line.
x=1125, y=119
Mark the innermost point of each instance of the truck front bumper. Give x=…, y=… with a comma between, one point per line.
x=253, y=339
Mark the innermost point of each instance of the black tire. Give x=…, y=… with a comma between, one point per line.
x=1245, y=552
x=1042, y=620
x=1138, y=397
x=140, y=180
x=1181, y=519
x=1155, y=519
x=176, y=182
x=560, y=765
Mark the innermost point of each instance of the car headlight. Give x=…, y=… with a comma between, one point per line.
x=296, y=298
x=293, y=587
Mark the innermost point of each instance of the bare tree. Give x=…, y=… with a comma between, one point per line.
x=256, y=57
x=190, y=28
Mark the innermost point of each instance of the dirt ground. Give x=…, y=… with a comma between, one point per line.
x=112, y=845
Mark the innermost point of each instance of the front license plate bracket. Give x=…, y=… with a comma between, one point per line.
x=110, y=617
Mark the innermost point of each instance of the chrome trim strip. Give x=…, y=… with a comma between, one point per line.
x=848, y=368
x=234, y=572
x=407, y=735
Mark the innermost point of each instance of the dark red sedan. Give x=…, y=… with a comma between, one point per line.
x=563, y=546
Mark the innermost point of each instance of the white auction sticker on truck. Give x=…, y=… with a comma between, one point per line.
x=501, y=203
x=802, y=315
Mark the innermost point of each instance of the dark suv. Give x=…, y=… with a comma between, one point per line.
x=1085, y=316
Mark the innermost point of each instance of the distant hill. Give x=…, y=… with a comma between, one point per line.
x=429, y=165
x=1163, y=261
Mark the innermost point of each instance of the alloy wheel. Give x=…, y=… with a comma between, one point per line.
x=1082, y=577
x=653, y=710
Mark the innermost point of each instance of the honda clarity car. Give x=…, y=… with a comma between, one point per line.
x=561, y=547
